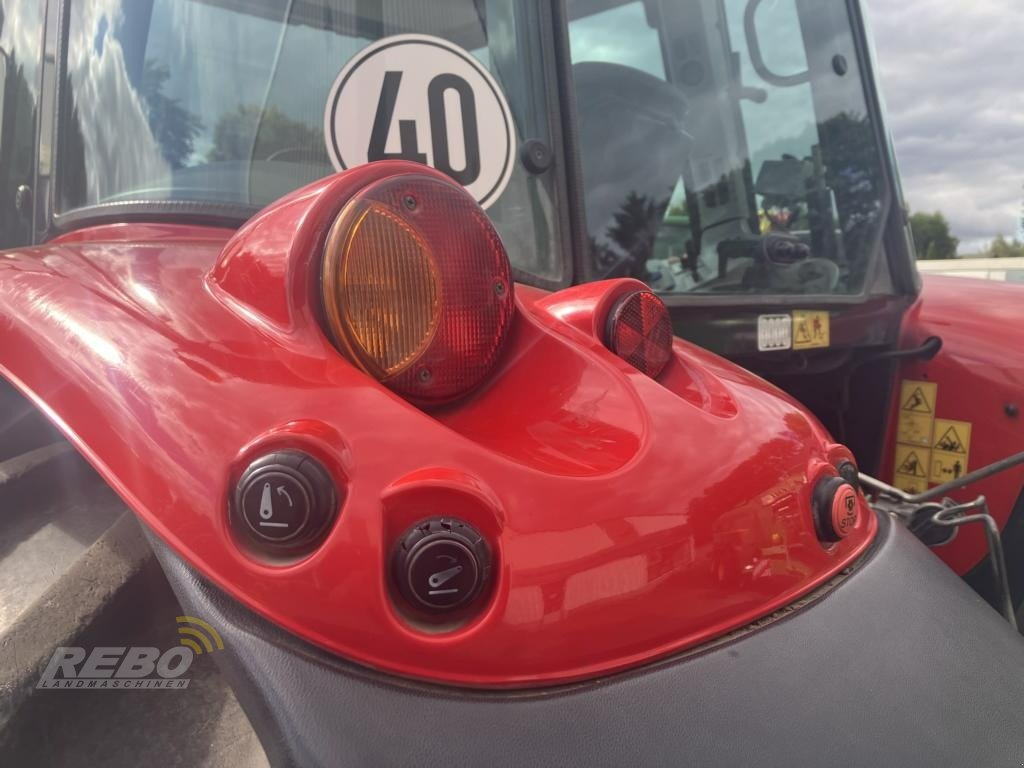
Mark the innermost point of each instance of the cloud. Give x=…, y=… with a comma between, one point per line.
x=121, y=155
x=953, y=78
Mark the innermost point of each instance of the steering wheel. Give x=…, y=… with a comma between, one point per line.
x=790, y=265
x=783, y=264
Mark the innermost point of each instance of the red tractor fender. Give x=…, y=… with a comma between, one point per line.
x=630, y=518
x=979, y=378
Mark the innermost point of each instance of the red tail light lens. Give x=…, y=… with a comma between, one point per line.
x=417, y=288
x=640, y=332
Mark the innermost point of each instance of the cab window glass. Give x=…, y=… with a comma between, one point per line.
x=220, y=101
x=635, y=43
x=20, y=38
x=725, y=146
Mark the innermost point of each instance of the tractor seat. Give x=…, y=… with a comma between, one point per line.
x=632, y=139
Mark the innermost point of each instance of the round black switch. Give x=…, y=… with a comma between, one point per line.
x=848, y=471
x=441, y=564
x=536, y=156
x=284, y=502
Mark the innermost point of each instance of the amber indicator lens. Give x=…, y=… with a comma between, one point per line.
x=640, y=332
x=417, y=287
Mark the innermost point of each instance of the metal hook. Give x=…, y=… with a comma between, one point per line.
x=954, y=516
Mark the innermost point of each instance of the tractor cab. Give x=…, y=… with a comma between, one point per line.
x=734, y=157
x=731, y=155
x=541, y=380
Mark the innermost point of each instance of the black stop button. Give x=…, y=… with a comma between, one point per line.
x=441, y=565
x=284, y=502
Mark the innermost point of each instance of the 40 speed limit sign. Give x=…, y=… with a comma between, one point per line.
x=422, y=98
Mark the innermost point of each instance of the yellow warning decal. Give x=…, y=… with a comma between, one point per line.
x=951, y=449
x=917, y=412
x=928, y=450
x=912, y=461
x=912, y=465
x=914, y=425
x=919, y=396
x=810, y=329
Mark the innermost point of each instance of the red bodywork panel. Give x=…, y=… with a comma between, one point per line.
x=979, y=371
x=630, y=518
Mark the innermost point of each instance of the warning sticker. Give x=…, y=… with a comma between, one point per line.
x=912, y=464
x=951, y=448
x=952, y=436
x=909, y=461
x=914, y=427
x=424, y=99
x=917, y=412
x=911, y=468
x=810, y=329
x=918, y=401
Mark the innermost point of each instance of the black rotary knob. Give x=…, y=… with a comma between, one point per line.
x=536, y=156
x=284, y=503
x=441, y=565
x=848, y=471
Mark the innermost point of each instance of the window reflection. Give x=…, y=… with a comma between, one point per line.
x=20, y=31
x=719, y=159
x=217, y=101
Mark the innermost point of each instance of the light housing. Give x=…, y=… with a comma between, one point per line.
x=417, y=288
x=639, y=331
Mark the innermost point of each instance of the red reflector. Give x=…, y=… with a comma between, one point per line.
x=640, y=332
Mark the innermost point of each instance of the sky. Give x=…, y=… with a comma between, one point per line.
x=952, y=75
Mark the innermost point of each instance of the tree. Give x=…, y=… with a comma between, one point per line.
x=173, y=126
x=932, y=236
x=1002, y=248
x=249, y=133
x=635, y=228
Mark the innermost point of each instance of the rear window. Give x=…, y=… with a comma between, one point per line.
x=222, y=103
x=726, y=146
